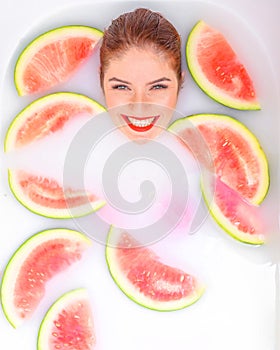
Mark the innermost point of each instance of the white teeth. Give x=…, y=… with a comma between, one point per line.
x=141, y=122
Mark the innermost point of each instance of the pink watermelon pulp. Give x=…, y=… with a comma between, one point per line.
x=68, y=324
x=146, y=280
x=233, y=213
x=45, y=196
x=53, y=57
x=240, y=166
x=237, y=157
x=217, y=70
x=47, y=115
x=35, y=262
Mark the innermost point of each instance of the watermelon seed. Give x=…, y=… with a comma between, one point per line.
x=182, y=278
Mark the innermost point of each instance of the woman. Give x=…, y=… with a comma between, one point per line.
x=140, y=72
x=141, y=76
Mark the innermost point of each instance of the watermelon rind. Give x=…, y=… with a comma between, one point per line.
x=209, y=88
x=56, y=308
x=20, y=255
x=23, y=115
x=225, y=120
x=44, y=39
x=131, y=292
x=225, y=224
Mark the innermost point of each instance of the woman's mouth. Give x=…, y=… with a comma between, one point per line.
x=140, y=124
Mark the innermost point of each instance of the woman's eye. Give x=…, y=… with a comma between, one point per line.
x=120, y=87
x=159, y=86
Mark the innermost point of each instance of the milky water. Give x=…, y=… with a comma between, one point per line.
x=140, y=182
x=239, y=278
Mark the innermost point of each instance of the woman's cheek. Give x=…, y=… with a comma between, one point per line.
x=115, y=99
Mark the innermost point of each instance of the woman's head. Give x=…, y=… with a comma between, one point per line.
x=142, y=29
x=140, y=59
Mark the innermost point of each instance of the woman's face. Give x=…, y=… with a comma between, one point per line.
x=141, y=91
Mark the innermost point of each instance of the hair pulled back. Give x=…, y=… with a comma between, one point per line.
x=143, y=29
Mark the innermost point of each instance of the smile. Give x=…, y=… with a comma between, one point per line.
x=140, y=124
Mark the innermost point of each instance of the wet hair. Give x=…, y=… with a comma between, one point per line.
x=143, y=29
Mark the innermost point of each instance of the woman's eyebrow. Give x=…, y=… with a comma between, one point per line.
x=119, y=80
x=159, y=80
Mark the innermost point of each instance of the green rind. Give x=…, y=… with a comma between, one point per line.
x=177, y=126
x=110, y=263
x=221, y=221
x=17, y=253
x=200, y=81
x=52, y=311
x=98, y=33
x=41, y=101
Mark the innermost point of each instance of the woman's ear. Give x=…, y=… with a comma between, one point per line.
x=183, y=76
x=101, y=78
x=182, y=79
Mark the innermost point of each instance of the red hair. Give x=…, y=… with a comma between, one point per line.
x=144, y=29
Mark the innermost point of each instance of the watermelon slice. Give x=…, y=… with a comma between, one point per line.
x=45, y=116
x=240, y=168
x=36, y=261
x=234, y=214
x=217, y=70
x=144, y=279
x=238, y=158
x=68, y=324
x=53, y=57
x=46, y=197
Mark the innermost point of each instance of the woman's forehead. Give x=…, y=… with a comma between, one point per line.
x=141, y=58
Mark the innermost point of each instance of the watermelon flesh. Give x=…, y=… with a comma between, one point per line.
x=233, y=213
x=68, y=324
x=42, y=118
x=233, y=156
x=221, y=66
x=145, y=279
x=52, y=118
x=48, y=115
x=232, y=161
x=73, y=326
x=217, y=70
x=52, y=194
x=226, y=147
x=55, y=63
x=156, y=280
x=35, y=272
x=46, y=197
x=53, y=57
x=37, y=261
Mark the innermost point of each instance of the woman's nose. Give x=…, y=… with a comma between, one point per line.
x=139, y=103
x=139, y=96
